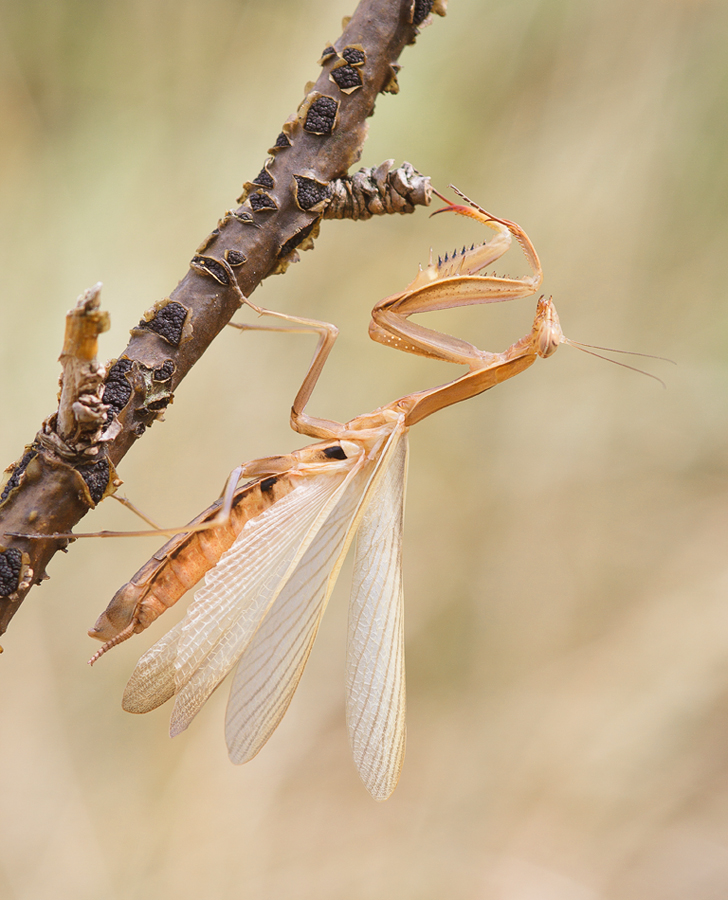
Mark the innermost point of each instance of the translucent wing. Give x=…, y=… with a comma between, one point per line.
x=375, y=679
x=152, y=681
x=271, y=666
x=195, y=656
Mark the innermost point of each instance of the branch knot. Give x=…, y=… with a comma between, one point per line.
x=378, y=191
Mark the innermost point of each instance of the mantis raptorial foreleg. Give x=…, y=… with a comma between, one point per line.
x=451, y=283
x=455, y=282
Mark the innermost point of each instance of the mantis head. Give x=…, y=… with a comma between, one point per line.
x=547, y=333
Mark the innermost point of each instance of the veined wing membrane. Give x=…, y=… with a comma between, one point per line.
x=271, y=667
x=152, y=681
x=236, y=595
x=375, y=678
x=244, y=610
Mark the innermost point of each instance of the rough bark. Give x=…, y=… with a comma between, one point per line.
x=69, y=466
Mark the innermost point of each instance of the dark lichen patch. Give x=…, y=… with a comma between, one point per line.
x=421, y=9
x=267, y=483
x=282, y=143
x=154, y=393
x=336, y=452
x=297, y=239
x=11, y=565
x=327, y=54
x=209, y=266
x=96, y=477
x=262, y=202
x=346, y=78
x=264, y=179
x=16, y=473
x=244, y=217
x=321, y=116
x=117, y=392
x=311, y=195
x=164, y=372
x=159, y=404
x=168, y=321
x=354, y=55
x=235, y=257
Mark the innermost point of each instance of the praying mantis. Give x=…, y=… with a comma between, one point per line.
x=271, y=550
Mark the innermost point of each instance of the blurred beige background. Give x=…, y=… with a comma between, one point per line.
x=565, y=549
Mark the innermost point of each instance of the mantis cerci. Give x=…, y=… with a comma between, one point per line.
x=271, y=550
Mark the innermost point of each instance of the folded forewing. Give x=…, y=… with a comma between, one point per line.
x=236, y=595
x=271, y=667
x=240, y=591
x=375, y=680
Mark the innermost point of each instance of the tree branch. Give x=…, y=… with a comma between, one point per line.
x=69, y=467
